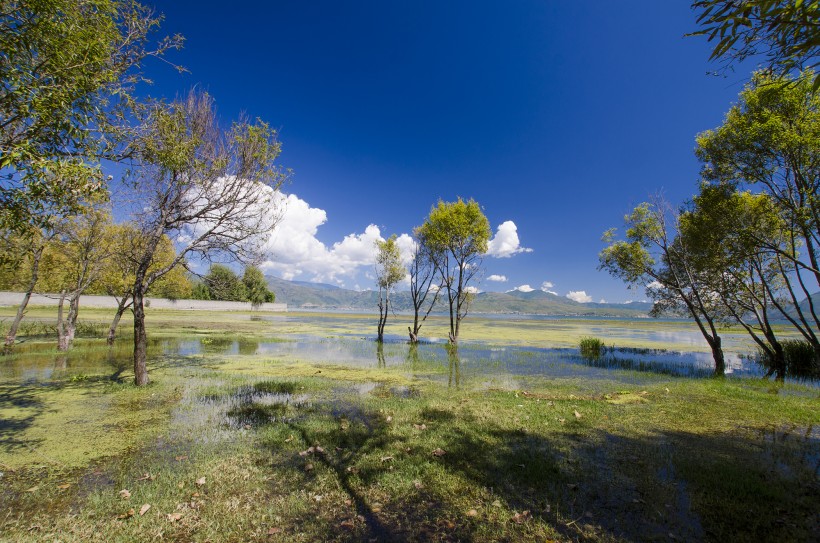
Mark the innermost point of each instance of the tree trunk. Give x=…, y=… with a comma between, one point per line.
x=717, y=355
x=71, y=321
x=414, y=337
x=140, y=340
x=11, y=336
x=62, y=335
x=112, y=330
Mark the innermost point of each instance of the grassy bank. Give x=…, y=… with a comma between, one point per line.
x=241, y=447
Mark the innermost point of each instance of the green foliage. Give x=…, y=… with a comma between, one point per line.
x=801, y=359
x=224, y=285
x=389, y=268
x=591, y=347
x=456, y=234
x=68, y=69
x=460, y=228
x=256, y=287
x=784, y=32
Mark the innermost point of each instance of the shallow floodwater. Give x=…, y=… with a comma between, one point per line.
x=477, y=363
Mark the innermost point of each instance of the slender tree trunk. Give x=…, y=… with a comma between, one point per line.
x=140, y=338
x=62, y=335
x=71, y=321
x=112, y=330
x=383, y=304
x=11, y=336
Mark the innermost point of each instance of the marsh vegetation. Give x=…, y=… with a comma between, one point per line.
x=300, y=427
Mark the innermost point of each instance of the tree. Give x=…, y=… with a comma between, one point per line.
x=117, y=278
x=654, y=256
x=68, y=69
x=785, y=33
x=722, y=228
x=456, y=234
x=389, y=271
x=80, y=248
x=224, y=285
x=21, y=267
x=770, y=143
x=196, y=182
x=422, y=273
x=256, y=287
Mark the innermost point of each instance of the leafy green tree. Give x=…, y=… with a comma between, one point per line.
x=79, y=253
x=654, y=256
x=224, y=285
x=785, y=33
x=117, y=277
x=197, y=182
x=722, y=229
x=256, y=287
x=389, y=271
x=770, y=143
x=457, y=234
x=68, y=71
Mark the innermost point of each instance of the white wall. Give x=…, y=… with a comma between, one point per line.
x=14, y=299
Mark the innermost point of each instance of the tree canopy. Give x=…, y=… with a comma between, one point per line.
x=456, y=234
x=68, y=68
x=785, y=33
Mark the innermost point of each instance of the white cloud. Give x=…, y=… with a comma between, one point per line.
x=497, y=278
x=654, y=285
x=505, y=243
x=602, y=301
x=547, y=286
x=471, y=290
x=522, y=288
x=579, y=296
x=293, y=250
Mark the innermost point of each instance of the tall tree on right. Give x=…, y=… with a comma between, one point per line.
x=785, y=33
x=770, y=143
x=456, y=234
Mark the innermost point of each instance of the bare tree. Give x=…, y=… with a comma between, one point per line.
x=211, y=189
x=422, y=271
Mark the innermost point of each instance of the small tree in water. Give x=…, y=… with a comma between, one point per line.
x=389, y=271
x=456, y=233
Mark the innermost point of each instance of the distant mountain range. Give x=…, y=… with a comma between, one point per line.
x=303, y=295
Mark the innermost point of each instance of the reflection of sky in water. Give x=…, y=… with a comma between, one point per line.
x=476, y=360
x=479, y=363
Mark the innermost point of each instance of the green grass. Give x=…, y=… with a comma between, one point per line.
x=246, y=447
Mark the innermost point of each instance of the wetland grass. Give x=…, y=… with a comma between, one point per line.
x=246, y=446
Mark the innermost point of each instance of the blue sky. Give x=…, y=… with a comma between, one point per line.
x=557, y=116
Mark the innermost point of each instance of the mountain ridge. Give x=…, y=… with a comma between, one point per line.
x=303, y=295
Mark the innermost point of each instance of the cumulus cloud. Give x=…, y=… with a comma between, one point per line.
x=471, y=290
x=547, y=286
x=293, y=250
x=654, y=285
x=579, y=296
x=497, y=278
x=522, y=288
x=505, y=243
